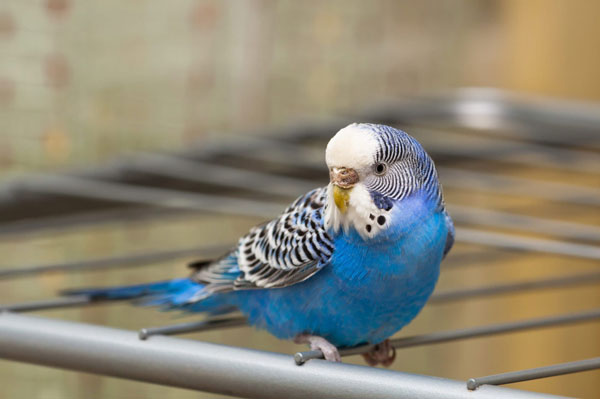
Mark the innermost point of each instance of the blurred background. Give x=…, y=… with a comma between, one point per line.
x=84, y=83
x=81, y=82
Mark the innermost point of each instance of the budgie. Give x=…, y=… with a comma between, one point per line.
x=345, y=264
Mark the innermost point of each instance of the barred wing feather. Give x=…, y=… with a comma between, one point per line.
x=282, y=252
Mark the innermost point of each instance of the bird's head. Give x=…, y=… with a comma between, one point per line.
x=372, y=168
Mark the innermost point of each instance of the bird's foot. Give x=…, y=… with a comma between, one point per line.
x=330, y=352
x=383, y=353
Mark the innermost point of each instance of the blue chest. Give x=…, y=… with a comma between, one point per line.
x=370, y=289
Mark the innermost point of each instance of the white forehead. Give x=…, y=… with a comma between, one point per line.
x=355, y=146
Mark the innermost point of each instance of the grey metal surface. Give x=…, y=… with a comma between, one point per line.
x=511, y=288
x=206, y=172
x=438, y=297
x=525, y=223
x=182, y=328
x=464, y=333
x=168, y=198
x=519, y=186
x=215, y=368
x=532, y=374
x=507, y=150
x=160, y=197
x=65, y=302
x=135, y=259
x=517, y=242
x=488, y=108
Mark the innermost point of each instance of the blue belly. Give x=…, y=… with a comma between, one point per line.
x=369, y=291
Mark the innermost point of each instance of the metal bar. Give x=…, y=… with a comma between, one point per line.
x=534, y=374
x=439, y=297
x=465, y=333
x=286, y=152
x=505, y=113
x=214, y=368
x=182, y=328
x=448, y=142
x=450, y=177
x=64, y=302
x=508, y=241
x=475, y=236
x=527, y=136
x=515, y=242
x=557, y=228
x=497, y=289
x=292, y=154
x=176, y=199
x=477, y=146
x=519, y=186
x=506, y=150
x=206, y=172
x=41, y=225
x=208, y=202
x=473, y=180
x=288, y=186
x=451, y=143
x=115, y=261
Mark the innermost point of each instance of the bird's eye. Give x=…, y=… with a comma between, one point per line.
x=380, y=169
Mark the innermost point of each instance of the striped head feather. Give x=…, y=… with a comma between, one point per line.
x=373, y=168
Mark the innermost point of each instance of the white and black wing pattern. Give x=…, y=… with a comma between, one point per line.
x=282, y=252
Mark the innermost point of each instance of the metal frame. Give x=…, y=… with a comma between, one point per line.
x=480, y=110
x=215, y=368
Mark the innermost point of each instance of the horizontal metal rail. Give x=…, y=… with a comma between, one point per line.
x=544, y=138
x=509, y=220
x=160, y=197
x=519, y=186
x=130, y=260
x=514, y=287
x=204, y=172
x=196, y=326
x=515, y=242
x=465, y=333
x=504, y=113
x=215, y=368
x=302, y=357
x=536, y=373
x=437, y=297
x=447, y=142
x=298, y=156
x=85, y=219
x=64, y=302
x=182, y=200
x=80, y=187
x=506, y=150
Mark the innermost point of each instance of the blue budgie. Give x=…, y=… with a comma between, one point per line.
x=345, y=264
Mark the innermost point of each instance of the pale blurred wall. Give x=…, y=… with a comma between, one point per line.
x=552, y=47
x=81, y=82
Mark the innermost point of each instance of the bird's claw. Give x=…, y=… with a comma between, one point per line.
x=329, y=351
x=383, y=353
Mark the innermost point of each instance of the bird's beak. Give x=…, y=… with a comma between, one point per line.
x=343, y=179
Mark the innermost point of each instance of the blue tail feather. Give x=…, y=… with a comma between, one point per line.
x=130, y=291
x=169, y=294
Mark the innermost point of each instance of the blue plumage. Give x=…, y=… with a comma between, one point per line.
x=367, y=293
x=352, y=262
